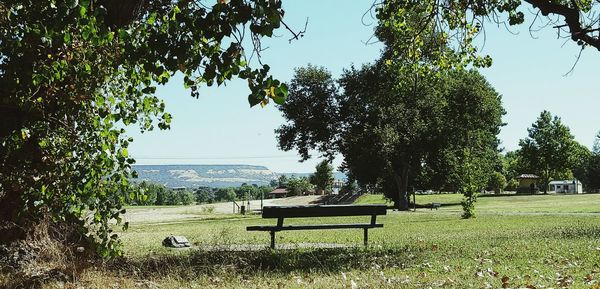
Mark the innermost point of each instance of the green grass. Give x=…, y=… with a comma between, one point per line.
x=553, y=203
x=427, y=248
x=540, y=241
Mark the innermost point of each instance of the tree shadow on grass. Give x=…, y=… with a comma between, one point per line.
x=323, y=260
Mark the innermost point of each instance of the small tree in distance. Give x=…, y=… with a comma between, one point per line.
x=323, y=178
x=549, y=150
x=298, y=186
x=497, y=182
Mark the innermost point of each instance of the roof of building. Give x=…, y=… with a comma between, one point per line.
x=564, y=182
x=279, y=191
x=527, y=176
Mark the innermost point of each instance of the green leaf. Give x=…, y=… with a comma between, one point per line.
x=85, y=34
x=149, y=90
x=281, y=94
x=254, y=99
x=152, y=18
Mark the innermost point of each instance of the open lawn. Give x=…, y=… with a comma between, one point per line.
x=515, y=242
x=552, y=203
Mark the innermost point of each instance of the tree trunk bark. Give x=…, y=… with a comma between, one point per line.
x=10, y=206
x=402, y=201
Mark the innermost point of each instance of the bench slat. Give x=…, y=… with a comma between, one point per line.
x=323, y=211
x=313, y=227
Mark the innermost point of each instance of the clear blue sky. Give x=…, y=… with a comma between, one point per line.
x=220, y=128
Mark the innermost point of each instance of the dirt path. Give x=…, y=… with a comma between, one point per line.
x=174, y=213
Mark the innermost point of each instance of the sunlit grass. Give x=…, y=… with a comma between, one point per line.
x=552, y=203
x=537, y=241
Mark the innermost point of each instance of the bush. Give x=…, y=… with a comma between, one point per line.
x=142, y=194
x=497, y=182
x=299, y=186
x=186, y=197
x=225, y=194
x=205, y=195
x=208, y=209
x=512, y=185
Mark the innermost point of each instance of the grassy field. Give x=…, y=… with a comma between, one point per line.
x=588, y=203
x=515, y=242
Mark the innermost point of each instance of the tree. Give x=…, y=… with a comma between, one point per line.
x=593, y=167
x=299, y=186
x=246, y=192
x=169, y=197
x=186, y=197
x=581, y=163
x=323, y=178
x=225, y=194
x=465, y=151
x=146, y=193
x=497, y=182
x=282, y=181
x=205, y=195
x=263, y=191
x=70, y=71
x=549, y=150
x=388, y=132
x=511, y=165
x=456, y=23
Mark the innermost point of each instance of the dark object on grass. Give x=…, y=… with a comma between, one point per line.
x=176, y=242
x=435, y=206
x=282, y=212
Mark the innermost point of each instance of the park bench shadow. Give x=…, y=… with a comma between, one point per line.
x=322, y=260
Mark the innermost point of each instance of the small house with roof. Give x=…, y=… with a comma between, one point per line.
x=528, y=183
x=566, y=186
x=279, y=192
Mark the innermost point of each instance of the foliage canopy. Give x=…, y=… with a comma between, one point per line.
x=550, y=150
x=72, y=73
x=443, y=31
x=392, y=135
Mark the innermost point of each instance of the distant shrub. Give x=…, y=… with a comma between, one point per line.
x=512, y=185
x=225, y=194
x=208, y=209
x=186, y=198
x=497, y=182
x=205, y=195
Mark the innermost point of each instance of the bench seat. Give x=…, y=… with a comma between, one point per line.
x=282, y=212
x=313, y=227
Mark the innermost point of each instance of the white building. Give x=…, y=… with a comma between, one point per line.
x=566, y=186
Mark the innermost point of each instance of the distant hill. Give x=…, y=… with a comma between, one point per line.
x=204, y=175
x=210, y=175
x=337, y=175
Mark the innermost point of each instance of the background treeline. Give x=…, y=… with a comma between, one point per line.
x=551, y=152
x=152, y=194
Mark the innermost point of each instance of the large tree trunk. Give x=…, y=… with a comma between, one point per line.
x=402, y=200
x=11, y=205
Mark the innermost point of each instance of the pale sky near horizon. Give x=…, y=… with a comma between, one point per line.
x=221, y=128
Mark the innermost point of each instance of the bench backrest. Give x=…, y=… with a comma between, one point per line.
x=322, y=211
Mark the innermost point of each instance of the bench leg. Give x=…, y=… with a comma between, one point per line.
x=272, y=239
x=366, y=237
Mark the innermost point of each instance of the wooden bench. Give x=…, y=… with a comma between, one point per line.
x=282, y=212
x=435, y=206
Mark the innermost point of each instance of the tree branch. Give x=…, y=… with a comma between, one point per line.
x=571, y=15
